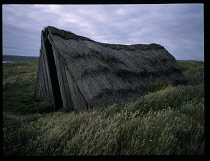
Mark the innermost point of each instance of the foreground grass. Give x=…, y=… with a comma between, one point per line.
x=170, y=120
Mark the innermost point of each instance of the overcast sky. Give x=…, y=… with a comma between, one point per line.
x=177, y=27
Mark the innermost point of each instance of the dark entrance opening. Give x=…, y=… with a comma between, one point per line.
x=58, y=103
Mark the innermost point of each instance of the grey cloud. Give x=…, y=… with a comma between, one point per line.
x=178, y=27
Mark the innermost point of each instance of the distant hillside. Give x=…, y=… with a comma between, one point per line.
x=15, y=58
x=191, y=60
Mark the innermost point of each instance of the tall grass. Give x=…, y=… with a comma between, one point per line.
x=169, y=121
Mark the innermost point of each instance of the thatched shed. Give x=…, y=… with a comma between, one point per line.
x=79, y=73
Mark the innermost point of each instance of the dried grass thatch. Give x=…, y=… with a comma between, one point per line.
x=79, y=73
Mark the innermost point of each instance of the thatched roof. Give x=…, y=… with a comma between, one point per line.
x=103, y=73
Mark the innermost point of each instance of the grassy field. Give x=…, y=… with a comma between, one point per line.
x=168, y=120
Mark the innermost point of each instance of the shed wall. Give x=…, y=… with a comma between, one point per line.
x=44, y=87
x=71, y=96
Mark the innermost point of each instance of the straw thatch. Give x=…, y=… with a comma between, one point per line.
x=79, y=73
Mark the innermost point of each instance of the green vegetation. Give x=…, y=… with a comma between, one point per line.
x=19, y=81
x=166, y=120
x=15, y=58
